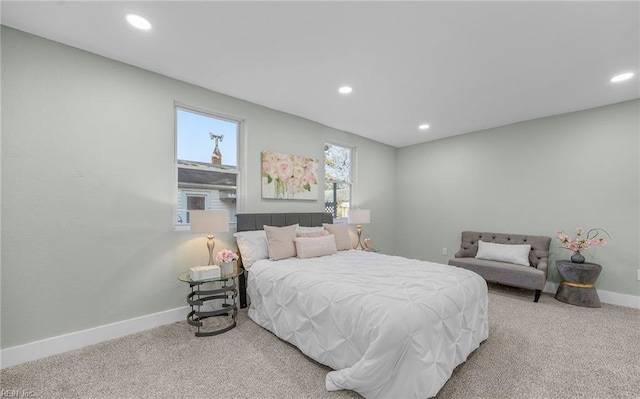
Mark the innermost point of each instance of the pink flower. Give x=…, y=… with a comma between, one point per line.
x=226, y=256
x=597, y=242
x=268, y=168
x=578, y=243
x=300, y=160
x=283, y=169
x=563, y=237
x=308, y=172
x=295, y=185
x=298, y=171
x=269, y=165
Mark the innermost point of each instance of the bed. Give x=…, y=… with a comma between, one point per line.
x=388, y=326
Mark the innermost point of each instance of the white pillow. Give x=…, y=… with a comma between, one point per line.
x=311, y=247
x=252, y=246
x=518, y=254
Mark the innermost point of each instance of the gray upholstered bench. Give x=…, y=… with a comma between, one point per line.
x=532, y=277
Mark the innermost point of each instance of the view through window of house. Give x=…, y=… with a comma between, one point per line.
x=207, y=161
x=337, y=179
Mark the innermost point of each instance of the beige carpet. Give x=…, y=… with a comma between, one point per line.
x=535, y=350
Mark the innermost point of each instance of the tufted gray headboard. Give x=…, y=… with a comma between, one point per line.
x=255, y=221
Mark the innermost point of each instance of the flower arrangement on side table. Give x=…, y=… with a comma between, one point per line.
x=224, y=259
x=580, y=242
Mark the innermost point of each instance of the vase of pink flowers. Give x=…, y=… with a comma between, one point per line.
x=581, y=242
x=225, y=260
x=577, y=257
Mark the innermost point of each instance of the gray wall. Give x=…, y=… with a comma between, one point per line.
x=88, y=186
x=534, y=177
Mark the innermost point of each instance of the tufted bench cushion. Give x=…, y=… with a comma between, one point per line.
x=532, y=277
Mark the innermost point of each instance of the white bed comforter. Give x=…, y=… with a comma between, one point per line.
x=390, y=327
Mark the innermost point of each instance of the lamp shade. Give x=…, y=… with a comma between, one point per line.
x=359, y=216
x=209, y=221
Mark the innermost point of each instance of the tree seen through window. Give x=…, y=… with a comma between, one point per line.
x=337, y=177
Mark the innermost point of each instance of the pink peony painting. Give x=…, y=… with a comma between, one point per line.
x=286, y=176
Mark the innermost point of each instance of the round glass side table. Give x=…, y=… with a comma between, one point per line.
x=199, y=296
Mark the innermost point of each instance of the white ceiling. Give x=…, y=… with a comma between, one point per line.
x=458, y=66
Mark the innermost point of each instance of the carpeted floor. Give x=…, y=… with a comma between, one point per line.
x=535, y=350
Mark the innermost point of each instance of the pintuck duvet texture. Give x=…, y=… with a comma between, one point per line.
x=388, y=326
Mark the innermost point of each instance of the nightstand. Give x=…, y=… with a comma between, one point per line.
x=577, y=286
x=199, y=296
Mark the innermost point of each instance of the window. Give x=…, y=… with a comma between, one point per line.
x=193, y=200
x=196, y=202
x=337, y=179
x=207, y=162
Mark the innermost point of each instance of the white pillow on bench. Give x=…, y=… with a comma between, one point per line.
x=518, y=254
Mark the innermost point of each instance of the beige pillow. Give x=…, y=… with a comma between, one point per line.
x=341, y=233
x=311, y=247
x=320, y=233
x=280, y=241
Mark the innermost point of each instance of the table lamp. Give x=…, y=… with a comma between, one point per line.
x=209, y=221
x=359, y=217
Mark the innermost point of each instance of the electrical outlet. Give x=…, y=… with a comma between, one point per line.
x=444, y=253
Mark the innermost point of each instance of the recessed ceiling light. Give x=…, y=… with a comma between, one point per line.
x=424, y=126
x=138, y=21
x=621, y=77
x=345, y=90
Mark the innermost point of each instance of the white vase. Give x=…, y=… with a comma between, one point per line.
x=226, y=268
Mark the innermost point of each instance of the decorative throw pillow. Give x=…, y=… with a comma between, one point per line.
x=320, y=233
x=311, y=247
x=280, y=241
x=518, y=254
x=308, y=229
x=341, y=233
x=252, y=246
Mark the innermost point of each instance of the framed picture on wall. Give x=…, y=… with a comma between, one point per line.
x=286, y=176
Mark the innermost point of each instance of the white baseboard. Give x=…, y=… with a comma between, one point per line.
x=79, y=339
x=76, y=340
x=612, y=298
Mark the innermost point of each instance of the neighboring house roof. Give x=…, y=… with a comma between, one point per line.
x=190, y=176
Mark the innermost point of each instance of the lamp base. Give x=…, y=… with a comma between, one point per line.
x=210, y=245
x=359, y=231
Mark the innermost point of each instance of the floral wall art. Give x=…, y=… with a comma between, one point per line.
x=286, y=176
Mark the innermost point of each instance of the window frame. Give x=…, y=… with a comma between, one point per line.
x=351, y=183
x=240, y=163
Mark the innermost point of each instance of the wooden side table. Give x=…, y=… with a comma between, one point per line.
x=577, y=286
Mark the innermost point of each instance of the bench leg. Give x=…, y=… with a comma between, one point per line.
x=538, y=292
